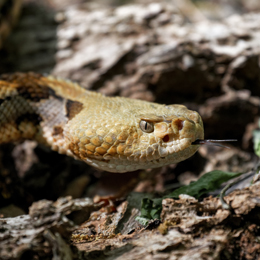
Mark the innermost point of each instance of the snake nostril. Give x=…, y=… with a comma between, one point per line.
x=166, y=138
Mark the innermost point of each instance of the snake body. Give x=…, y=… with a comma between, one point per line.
x=114, y=134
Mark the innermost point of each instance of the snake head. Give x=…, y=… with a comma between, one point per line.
x=134, y=135
x=171, y=135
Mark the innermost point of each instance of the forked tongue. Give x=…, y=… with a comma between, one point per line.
x=214, y=142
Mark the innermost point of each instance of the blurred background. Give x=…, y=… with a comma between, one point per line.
x=203, y=54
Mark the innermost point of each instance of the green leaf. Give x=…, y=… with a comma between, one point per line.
x=256, y=141
x=142, y=221
x=134, y=200
x=151, y=208
x=208, y=182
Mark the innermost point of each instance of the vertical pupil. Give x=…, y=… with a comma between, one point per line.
x=145, y=127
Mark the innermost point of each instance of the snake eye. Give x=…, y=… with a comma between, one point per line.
x=146, y=126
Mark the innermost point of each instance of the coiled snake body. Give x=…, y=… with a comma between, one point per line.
x=110, y=133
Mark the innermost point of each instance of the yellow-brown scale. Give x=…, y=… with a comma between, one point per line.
x=113, y=134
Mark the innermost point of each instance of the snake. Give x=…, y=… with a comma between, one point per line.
x=114, y=134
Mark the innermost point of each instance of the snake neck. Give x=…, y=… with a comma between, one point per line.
x=38, y=108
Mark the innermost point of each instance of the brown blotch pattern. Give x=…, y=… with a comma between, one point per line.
x=57, y=130
x=33, y=118
x=73, y=108
x=36, y=92
x=30, y=86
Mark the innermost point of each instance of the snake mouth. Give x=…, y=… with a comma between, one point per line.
x=175, y=146
x=213, y=142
